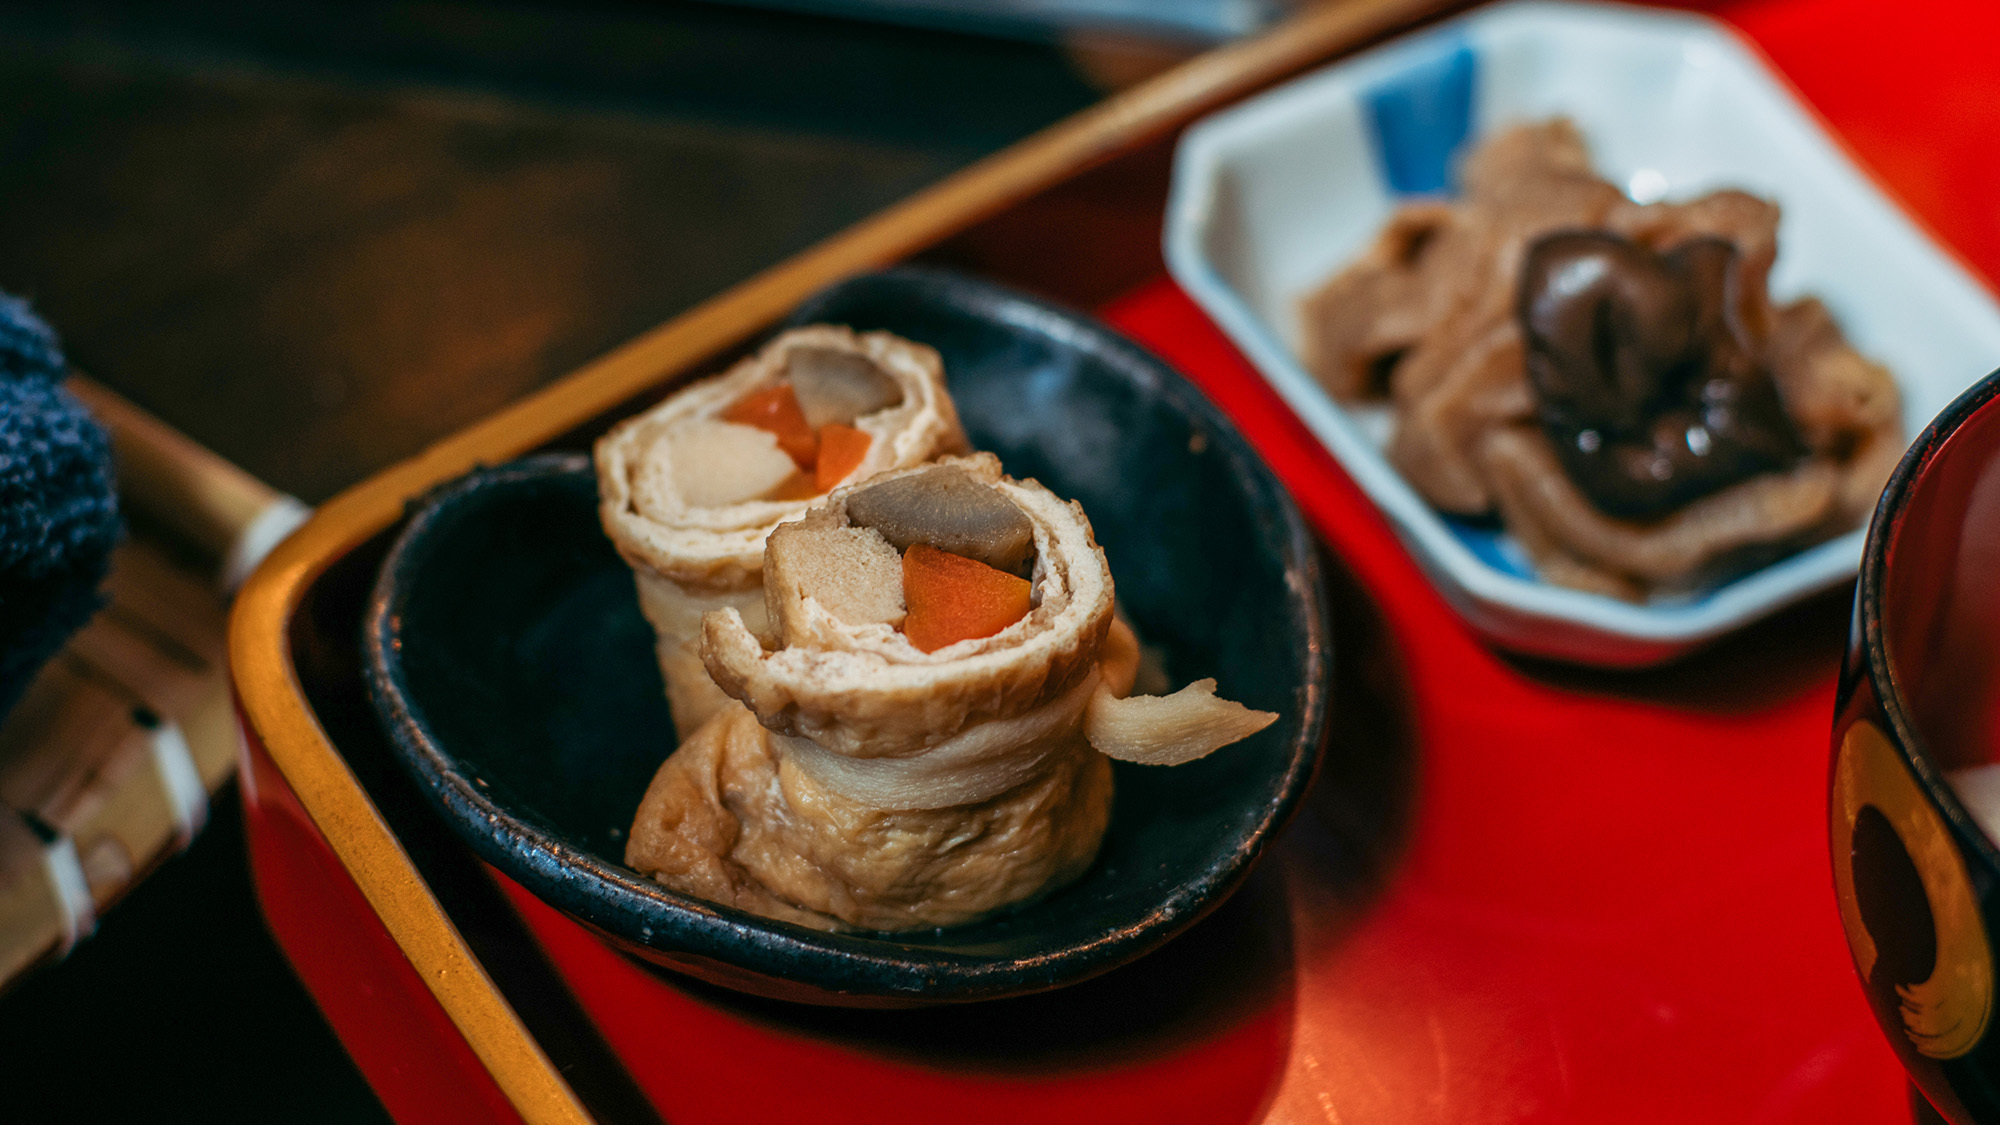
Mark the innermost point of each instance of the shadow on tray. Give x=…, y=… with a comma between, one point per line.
x=1795, y=650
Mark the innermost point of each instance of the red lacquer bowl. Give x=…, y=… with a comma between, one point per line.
x=1916, y=738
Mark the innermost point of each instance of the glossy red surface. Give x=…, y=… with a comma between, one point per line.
x=1080, y=1055
x=400, y=1038
x=1941, y=603
x=1913, y=89
x=1576, y=897
x=1614, y=901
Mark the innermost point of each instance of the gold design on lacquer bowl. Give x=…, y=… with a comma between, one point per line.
x=1911, y=917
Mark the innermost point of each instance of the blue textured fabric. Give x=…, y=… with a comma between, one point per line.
x=58, y=511
x=28, y=347
x=1420, y=118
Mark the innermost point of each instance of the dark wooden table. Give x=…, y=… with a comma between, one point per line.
x=318, y=237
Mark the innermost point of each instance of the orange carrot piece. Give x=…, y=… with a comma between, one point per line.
x=798, y=486
x=952, y=598
x=776, y=408
x=841, y=449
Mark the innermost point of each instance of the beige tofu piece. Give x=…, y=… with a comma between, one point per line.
x=852, y=573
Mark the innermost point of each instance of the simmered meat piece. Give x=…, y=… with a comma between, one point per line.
x=1360, y=323
x=1549, y=514
x=1476, y=385
x=1372, y=327
x=1612, y=378
x=1845, y=405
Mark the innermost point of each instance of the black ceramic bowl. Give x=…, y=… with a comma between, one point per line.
x=1918, y=881
x=510, y=666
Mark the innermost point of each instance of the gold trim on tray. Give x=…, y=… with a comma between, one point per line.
x=272, y=698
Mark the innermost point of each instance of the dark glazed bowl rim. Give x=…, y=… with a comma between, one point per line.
x=837, y=968
x=1881, y=669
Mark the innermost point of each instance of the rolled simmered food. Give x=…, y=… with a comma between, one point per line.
x=689, y=490
x=923, y=737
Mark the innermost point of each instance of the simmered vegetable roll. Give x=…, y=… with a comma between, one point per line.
x=925, y=725
x=690, y=489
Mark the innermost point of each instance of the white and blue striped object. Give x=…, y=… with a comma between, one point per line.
x=1272, y=196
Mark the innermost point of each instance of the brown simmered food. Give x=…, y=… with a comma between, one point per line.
x=689, y=490
x=837, y=385
x=868, y=782
x=1644, y=379
x=946, y=508
x=1612, y=379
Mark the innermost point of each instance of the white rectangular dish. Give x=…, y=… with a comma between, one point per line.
x=1273, y=196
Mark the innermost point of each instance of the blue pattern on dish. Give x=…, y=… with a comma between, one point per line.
x=1419, y=118
x=1491, y=546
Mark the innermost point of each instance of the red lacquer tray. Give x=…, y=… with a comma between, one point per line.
x=1518, y=892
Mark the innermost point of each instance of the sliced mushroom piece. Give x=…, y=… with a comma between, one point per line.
x=833, y=385
x=944, y=507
